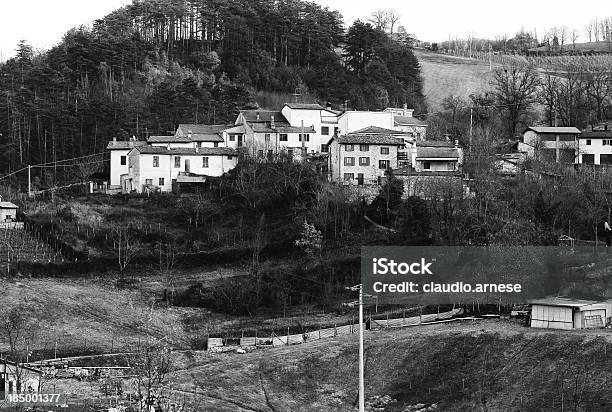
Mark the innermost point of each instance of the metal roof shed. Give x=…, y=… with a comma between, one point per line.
x=567, y=313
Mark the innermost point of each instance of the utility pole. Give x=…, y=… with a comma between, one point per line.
x=361, y=360
x=29, y=181
x=303, y=139
x=471, y=126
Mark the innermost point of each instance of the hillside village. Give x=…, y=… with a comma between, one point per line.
x=190, y=190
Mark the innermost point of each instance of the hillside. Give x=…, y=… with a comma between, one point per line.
x=446, y=75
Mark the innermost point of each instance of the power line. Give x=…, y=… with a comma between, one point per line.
x=58, y=163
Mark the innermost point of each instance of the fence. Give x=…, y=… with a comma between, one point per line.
x=274, y=340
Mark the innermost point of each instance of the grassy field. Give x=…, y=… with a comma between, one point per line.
x=449, y=75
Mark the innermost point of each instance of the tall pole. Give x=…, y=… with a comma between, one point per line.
x=361, y=374
x=471, y=127
x=29, y=181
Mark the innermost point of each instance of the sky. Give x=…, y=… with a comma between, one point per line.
x=43, y=22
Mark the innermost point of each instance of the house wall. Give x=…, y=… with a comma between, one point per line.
x=143, y=168
x=11, y=374
x=116, y=170
x=435, y=165
x=8, y=214
x=371, y=173
x=552, y=317
x=596, y=148
x=351, y=121
x=552, y=147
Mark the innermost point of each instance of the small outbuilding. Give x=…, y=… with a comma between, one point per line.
x=568, y=313
x=18, y=378
x=8, y=211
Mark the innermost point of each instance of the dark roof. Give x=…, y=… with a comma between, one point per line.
x=368, y=139
x=168, y=139
x=124, y=144
x=553, y=130
x=8, y=205
x=264, y=116
x=295, y=129
x=377, y=130
x=408, y=121
x=206, y=138
x=206, y=151
x=437, y=152
x=410, y=171
x=305, y=106
x=204, y=128
x=434, y=143
x=597, y=134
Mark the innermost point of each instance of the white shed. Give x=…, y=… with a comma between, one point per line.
x=567, y=313
x=8, y=211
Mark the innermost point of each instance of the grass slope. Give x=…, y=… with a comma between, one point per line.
x=486, y=365
x=445, y=75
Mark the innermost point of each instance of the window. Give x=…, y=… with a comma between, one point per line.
x=364, y=161
x=588, y=142
x=349, y=176
x=384, y=150
x=336, y=130
x=383, y=164
x=283, y=137
x=349, y=148
x=177, y=161
x=324, y=148
x=216, y=144
x=325, y=130
x=205, y=161
x=155, y=161
x=364, y=147
x=123, y=160
x=606, y=142
x=161, y=181
x=304, y=137
x=605, y=159
x=360, y=178
x=426, y=165
x=588, y=159
x=349, y=161
x=232, y=137
x=267, y=137
x=148, y=182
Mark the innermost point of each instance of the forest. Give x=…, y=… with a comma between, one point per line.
x=153, y=64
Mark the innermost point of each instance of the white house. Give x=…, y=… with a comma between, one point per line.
x=118, y=158
x=553, y=144
x=595, y=147
x=158, y=168
x=8, y=211
x=405, y=122
x=435, y=156
x=362, y=158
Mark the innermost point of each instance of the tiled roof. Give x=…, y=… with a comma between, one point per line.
x=8, y=205
x=408, y=121
x=410, y=171
x=368, y=139
x=295, y=129
x=204, y=128
x=204, y=151
x=305, y=106
x=264, y=116
x=377, y=130
x=437, y=153
x=434, y=143
x=168, y=139
x=124, y=144
x=597, y=134
x=206, y=138
x=554, y=130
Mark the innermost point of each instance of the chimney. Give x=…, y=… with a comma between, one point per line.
x=114, y=140
x=258, y=116
x=457, y=143
x=606, y=127
x=329, y=106
x=133, y=138
x=272, y=125
x=405, y=106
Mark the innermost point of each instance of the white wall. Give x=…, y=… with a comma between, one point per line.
x=351, y=121
x=596, y=148
x=551, y=317
x=116, y=170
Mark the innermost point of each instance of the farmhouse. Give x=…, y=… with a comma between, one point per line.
x=362, y=158
x=8, y=211
x=15, y=378
x=158, y=168
x=553, y=144
x=405, y=122
x=566, y=313
x=118, y=158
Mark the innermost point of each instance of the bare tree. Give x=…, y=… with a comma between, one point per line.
x=89, y=166
x=126, y=245
x=515, y=90
x=588, y=29
x=380, y=19
x=574, y=35
x=167, y=259
x=393, y=16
